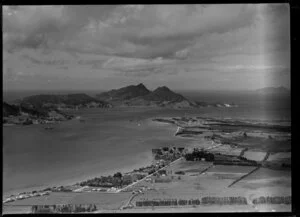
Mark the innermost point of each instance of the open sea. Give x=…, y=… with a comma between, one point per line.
x=117, y=139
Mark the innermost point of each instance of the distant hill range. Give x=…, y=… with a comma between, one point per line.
x=15, y=110
x=46, y=107
x=8, y=110
x=125, y=93
x=50, y=106
x=273, y=91
x=69, y=101
x=18, y=114
x=139, y=95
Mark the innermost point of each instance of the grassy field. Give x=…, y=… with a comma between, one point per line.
x=268, y=173
x=189, y=167
x=279, y=156
x=16, y=209
x=230, y=169
x=228, y=150
x=102, y=200
x=215, y=183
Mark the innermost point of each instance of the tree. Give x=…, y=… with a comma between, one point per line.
x=117, y=175
x=34, y=208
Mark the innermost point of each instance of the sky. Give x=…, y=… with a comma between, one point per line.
x=184, y=47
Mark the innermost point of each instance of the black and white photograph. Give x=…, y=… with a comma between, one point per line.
x=159, y=108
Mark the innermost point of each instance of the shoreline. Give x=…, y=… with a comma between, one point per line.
x=143, y=162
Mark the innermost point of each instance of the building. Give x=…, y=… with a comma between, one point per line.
x=180, y=149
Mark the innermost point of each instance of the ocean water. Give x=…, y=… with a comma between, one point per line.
x=109, y=141
x=250, y=105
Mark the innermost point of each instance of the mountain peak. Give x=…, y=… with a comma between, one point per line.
x=273, y=90
x=164, y=94
x=141, y=85
x=140, y=95
x=163, y=88
x=125, y=93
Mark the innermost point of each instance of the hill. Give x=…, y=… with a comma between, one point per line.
x=273, y=91
x=62, y=101
x=19, y=114
x=139, y=95
x=164, y=94
x=15, y=110
x=124, y=93
x=9, y=110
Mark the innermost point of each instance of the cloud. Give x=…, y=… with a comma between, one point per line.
x=137, y=67
x=97, y=63
x=9, y=74
x=182, y=54
x=63, y=67
x=46, y=26
x=253, y=67
x=140, y=67
x=194, y=42
x=133, y=31
x=146, y=72
x=45, y=62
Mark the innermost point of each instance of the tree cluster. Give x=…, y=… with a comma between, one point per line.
x=273, y=200
x=198, y=155
x=203, y=201
x=180, y=172
x=66, y=208
x=224, y=200
x=117, y=180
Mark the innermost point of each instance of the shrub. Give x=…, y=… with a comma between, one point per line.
x=272, y=200
x=180, y=172
x=224, y=200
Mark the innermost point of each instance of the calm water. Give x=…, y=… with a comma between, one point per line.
x=107, y=142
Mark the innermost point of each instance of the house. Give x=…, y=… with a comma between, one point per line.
x=157, y=151
x=180, y=149
x=165, y=148
x=137, y=176
x=162, y=172
x=42, y=209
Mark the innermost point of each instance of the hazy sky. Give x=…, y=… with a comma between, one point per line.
x=181, y=46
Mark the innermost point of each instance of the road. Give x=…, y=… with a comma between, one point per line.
x=215, y=146
x=147, y=176
x=80, y=189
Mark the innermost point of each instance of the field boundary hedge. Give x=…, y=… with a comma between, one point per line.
x=272, y=200
x=193, y=202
